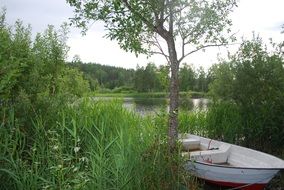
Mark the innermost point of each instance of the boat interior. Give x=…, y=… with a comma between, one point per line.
x=205, y=150
x=195, y=150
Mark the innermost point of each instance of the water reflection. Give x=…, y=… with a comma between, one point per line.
x=146, y=106
x=188, y=104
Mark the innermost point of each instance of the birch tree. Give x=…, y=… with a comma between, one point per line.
x=143, y=26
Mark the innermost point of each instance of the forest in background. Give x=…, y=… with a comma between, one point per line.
x=103, y=78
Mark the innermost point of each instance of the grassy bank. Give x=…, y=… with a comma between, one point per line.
x=90, y=145
x=101, y=145
x=190, y=94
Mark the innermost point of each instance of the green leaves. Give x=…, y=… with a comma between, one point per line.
x=151, y=78
x=187, y=78
x=124, y=25
x=254, y=80
x=15, y=57
x=33, y=74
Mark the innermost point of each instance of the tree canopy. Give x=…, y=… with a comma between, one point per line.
x=134, y=23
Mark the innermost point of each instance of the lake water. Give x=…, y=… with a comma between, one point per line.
x=145, y=106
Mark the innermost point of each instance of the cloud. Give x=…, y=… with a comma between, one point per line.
x=38, y=13
x=262, y=16
x=94, y=48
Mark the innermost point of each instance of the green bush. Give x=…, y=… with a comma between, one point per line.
x=34, y=77
x=253, y=81
x=123, y=89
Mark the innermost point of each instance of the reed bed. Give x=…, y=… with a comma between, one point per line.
x=89, y=145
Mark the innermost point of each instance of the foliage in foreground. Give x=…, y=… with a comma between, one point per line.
x=89, y=145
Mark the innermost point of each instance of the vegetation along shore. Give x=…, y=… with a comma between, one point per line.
x=56, y=135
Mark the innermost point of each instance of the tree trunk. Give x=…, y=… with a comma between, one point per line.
x=174, y=97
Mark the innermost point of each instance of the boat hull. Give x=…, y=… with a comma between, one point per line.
x=247, y=178
x=238, y=185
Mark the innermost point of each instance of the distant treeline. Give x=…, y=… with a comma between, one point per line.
x=143, y=79
x=105, y=77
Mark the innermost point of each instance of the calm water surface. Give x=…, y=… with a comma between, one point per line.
x=145, y=106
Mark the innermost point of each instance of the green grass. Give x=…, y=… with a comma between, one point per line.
x=89, y=145
x=101, y=145
x=221, y=121
x=134, y=95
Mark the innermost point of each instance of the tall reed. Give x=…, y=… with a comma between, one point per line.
x=222, y=120
x=89, y=145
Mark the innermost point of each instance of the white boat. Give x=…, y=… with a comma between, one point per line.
x=227, y=164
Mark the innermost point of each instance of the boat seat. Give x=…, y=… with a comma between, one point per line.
x=190, y=144
x=215, y=156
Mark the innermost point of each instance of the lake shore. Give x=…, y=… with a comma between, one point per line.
x=190, y=94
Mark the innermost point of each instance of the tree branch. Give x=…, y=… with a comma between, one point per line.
x=161, y=19
x=182, y=48
x=158, y=29
x=157, y=44
x=202, y=47
x=171, y=22
x=161, y=53
x=147, y=22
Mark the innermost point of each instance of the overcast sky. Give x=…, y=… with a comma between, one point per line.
x=265, y=17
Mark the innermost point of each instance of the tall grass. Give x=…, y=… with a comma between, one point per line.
x=194, y=122
x=222, y=121
x=226, y=121
x=89, y=145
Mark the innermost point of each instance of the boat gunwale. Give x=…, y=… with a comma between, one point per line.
x=233, y=167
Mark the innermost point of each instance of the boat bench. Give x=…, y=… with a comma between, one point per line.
x=190, y=144
x=215, y=156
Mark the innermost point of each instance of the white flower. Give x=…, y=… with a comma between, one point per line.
x=75, y=169
x=83, y=159
x=55, y=147
x=76, y=149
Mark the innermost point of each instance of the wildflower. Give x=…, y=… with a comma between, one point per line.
x=55, y=147
x=75, y=169
x=76, y=149
x=83, y=159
